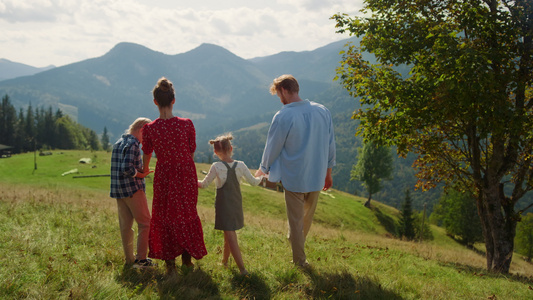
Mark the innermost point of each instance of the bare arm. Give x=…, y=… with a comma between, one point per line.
x=146, y=163
x=329, y=180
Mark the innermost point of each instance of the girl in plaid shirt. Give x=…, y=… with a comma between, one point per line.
x=127, y=186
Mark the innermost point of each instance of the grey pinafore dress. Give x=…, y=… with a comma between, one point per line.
x=228, y=203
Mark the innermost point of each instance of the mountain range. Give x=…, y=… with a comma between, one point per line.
x=219, y=91
x=10, y=69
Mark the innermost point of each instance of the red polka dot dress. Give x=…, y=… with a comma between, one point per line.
x=175, y=226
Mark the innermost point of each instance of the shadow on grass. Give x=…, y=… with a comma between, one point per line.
x=345, y=286
x=385, y=220
x=189, y=284
x=138, y=279
x=251, y=286
x=482, y=272
x=185, y=284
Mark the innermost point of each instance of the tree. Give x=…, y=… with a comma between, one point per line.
x=458, y=213
x=524, y=236
x=466, y=105
x=407, y=229
x=92, y=139
x=8, y=119
x=20, y=133
x=422, y=230
x=49, y=128
x=29, y=127
x=66, y=129
x=105, y=139
x=374, y=163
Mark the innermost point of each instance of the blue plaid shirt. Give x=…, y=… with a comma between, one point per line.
x=125, y=163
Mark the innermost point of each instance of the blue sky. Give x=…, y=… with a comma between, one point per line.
x=59, y=32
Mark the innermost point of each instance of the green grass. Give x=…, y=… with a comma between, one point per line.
x=59, y=239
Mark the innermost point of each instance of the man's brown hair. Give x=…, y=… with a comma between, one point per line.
x=288, y=82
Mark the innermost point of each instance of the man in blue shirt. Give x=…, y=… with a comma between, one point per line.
x=299, y=152
x=128, y=187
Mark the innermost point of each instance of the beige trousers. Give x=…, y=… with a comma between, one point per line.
x=300, y=210
x=129, y=209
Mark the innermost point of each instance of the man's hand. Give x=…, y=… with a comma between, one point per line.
x=259, y=173
x=329, y=181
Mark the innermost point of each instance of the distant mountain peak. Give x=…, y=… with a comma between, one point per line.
x=211, y=50
x=10, y=69
x=128, y=48
x=210, y=46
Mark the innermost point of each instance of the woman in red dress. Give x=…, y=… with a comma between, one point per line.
x=175, y=228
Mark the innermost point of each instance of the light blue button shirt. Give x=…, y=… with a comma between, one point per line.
x=300, y=147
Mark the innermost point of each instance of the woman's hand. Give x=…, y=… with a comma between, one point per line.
x=143, y=174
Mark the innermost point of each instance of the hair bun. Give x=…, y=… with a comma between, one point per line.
x=165, y=84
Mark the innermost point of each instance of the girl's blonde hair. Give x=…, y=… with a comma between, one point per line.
x=137, y=125
x=222, y=143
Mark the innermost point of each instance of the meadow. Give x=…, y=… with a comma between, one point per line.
x=59, y=239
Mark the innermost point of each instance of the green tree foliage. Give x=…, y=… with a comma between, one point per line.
x=374, y=163
x=8, y=119
x=66, y=129
x=92, y=138
x=457, y=212
x=105, y=139
x=42, y=129
x=406, y=228
x=29, y=129
x=422, y=230
x=465, y=107
x=524, y=236
x=49, y=128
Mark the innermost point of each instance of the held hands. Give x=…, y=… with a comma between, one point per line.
x=260, y=173
x=143, y=174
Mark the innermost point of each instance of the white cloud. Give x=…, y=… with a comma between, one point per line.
x=28, y=11
x=43, y=32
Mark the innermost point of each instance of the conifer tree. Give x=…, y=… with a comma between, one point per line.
x=49, y=128
x=407, y=229
x=105, y=139
x=20, y=133
x=92, y=139
x=8, y=119
x=29, y=127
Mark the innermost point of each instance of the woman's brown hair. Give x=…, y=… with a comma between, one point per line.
x=163, y=92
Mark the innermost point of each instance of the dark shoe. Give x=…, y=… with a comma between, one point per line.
x=143, y=263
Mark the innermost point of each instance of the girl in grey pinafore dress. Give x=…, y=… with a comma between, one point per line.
x=228, y=203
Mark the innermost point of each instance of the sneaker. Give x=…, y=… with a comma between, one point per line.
x=143, y=263
x=304, y=265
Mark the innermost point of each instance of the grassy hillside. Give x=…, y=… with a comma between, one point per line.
x=59, y=238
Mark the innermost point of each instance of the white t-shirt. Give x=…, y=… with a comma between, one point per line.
x=219, y=173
